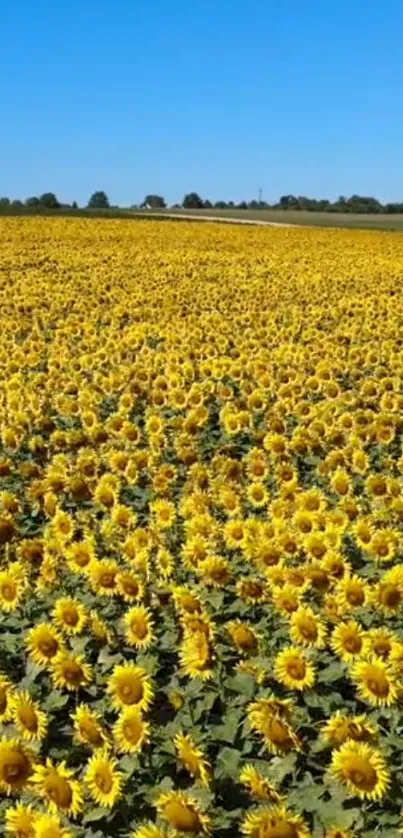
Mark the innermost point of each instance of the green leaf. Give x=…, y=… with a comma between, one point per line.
x=55, y=701
x=334, y=672
x=242, y=683
x=228, y=730
x=95, y=814
x=128, y=764
x=227, y=763
x=281, y=766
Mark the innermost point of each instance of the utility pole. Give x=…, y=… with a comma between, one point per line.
x=260, y=197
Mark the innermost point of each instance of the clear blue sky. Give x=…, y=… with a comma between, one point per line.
x=217, y=96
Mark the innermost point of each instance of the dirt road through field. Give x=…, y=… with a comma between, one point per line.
x=220, y=218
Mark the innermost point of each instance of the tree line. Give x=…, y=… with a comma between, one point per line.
x=99, y=200
x=354, y=204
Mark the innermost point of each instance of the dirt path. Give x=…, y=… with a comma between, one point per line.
x=220, y=218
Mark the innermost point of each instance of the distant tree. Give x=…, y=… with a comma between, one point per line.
x=32, y=202
x=49, y=200
x=5, y=202
x=192, y=201
x=155, y=201
x=253, y=205
x=393, y=208
x=242, y=205
x=220, y=205
x=288, y=202
x=98, y=200
x=74, y=205
x=17, y=204
x=207, y=205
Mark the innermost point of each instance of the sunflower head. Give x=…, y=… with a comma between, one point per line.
x=131, y=732
x=258, y=786
x=243, y=636
x=274, y=822
x=44, y=643
x=349, y=641
x=192, y=758
x=293, y=669
x=19, y=821
x=88, y=727
x=376, y=681
x=182, y=813
x=103, y=780
x=69, y=615
x=70, y=671
x=339, y=728
x=306, y=628
x=362, y=769
x=15, y=766
x=49, y=826
x=139, y=627
x=30, y=720
x=130, y=686
x=58, y=788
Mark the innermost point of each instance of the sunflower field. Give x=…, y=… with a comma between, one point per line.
x=201, y=531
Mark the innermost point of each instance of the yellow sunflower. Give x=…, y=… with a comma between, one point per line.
x=307, y=629
x=44, y=643
x=6, y=699
x=70, y=671
x=13, y=584
x=381, y=642
x=376, y=682
x=103, y=576
x=63, y=526
x=49, y=826
x=192, y=759
x=251, y=589
x=165, y=562
x=80, y=554
x=164, y=514
x=186, y=600
x=148, y=830
x=131, y=732
x=30, y=720
x=258, y=786
x=88, y=727
x=69, y=615
x=271, y=719
x=196, y=656
x=316, y=544
x=243, y=636
x=58, y=788
x=130, y=686
x=349, y=641
x=294, y=670
x=19, y=821
x=339, y=728
x=103, y=780
x=139, y=627
x=274, y=822
x=16, y=763
x=214, y=571
x=100, y=630
x=129, y=586
x=362, y=769
x=183, y=813
x=257, y=495
x=352, y=592
x=286, y=598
